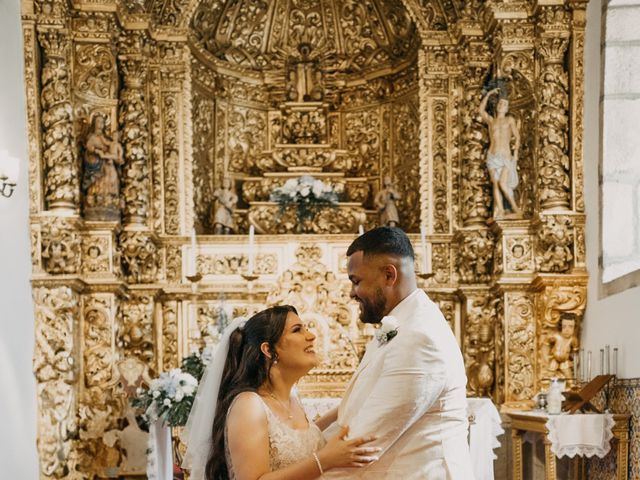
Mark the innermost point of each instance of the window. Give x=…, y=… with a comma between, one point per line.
x=620, y=155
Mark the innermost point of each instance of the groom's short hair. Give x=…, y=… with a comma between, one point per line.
x=383, y=241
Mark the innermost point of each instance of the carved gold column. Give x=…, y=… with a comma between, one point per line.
x=168, y=330
x=61, y=172
x=554, y=165
x=32, y=103
x=138, y=245
x=134, y=122
x=436, y=107
x=55, y=366
x=514, y=268
x=576, y=79
x=172, y=91
x=475, y=197
x=101, y=404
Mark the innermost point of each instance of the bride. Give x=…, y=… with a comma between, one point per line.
x=248, y=424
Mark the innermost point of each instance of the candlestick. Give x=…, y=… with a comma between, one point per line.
x=360, y=229
x=251, y=249
x=615, y=361
x=588, y=366
x=607, y=359
x=602, y=361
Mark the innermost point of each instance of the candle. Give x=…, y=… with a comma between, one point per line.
x=607, y=359
x=252, y=232
x=575, y=366
x=602, y=361
x=582, y=370
x=360, y=229
x=192, y=270
x=588, y=366
x=615, y=361
x=423, y=247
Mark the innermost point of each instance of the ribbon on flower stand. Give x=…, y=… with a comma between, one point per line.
x=160, y=454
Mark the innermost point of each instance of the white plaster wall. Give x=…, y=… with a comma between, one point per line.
x=614, y=320
x=18, y=458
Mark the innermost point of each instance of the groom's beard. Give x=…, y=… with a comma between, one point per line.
x=372, y=311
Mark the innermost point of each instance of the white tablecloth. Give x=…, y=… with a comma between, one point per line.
x=484, y=429
x=585, y=435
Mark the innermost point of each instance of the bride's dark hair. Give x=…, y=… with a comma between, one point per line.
x=245, y=369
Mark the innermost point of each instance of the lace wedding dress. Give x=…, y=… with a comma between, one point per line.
x=286, y=445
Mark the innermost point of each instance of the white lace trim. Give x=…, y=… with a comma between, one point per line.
x=587, y=447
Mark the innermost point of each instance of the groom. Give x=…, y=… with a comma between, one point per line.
x=410, y=388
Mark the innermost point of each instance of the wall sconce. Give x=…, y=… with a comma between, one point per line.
x=9, y=167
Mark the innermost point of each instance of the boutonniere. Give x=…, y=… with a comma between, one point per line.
x=388, y=330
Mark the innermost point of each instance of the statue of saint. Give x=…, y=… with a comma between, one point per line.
x=225, y=201
x=501, y=160
x=385, y=202
x=560, y=346
x=305, y=78
x=100, y=182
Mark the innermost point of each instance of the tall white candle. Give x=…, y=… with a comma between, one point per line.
x=615, y=361
x=588, y=379
x=582, y=370
x=423, y=247
x=607, y=359
x=251, y=252
x=192, y=270
x=360, y=229
x=602, y=361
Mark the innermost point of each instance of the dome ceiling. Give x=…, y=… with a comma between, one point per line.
x=345, y=36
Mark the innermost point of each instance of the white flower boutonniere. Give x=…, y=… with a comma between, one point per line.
x=388, y=330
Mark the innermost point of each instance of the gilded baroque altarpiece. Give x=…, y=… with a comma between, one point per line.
x=140, y=110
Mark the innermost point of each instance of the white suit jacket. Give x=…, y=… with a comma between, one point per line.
x=411, y=393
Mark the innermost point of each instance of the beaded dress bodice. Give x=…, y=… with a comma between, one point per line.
x=287, y=445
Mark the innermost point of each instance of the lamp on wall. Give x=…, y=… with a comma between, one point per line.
x=9, y=167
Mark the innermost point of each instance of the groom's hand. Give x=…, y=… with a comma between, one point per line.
x=341, y=452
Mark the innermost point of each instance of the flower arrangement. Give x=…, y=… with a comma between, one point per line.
x=171, y=395
x=388, y=330
x=308, y=194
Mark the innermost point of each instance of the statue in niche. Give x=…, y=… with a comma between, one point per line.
x=100, y=183
x=501, y=160
x=304, y=83
x=560, y=346
x=385, y=202
x=225, y=201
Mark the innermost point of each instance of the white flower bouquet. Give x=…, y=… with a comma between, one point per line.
x=308, y=194
x=170, y=396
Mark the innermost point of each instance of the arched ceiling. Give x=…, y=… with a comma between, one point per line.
x=345, y=36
